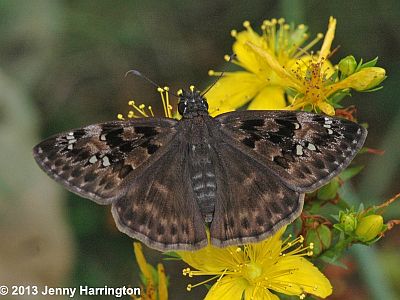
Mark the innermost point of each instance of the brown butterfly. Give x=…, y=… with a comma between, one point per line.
x=242, y=174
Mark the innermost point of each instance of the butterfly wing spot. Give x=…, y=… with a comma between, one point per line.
x=251, y=124
x=250, y=141
x=105, y=161
x=260, y=221
x=299, y=150
x=76, y=173
x=93, y=159
x=160, y=229
x=281, y=161
x=89, y=177
x=245, y=223
x=311, y=147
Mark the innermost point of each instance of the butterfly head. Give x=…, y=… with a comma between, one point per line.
x=191, y=103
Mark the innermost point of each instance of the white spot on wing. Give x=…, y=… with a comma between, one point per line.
x=93, y=159
x=70, y=147
x=311, y=147
x=327, y=126
x=299, y=150
x=296, y=125
x=102, y=137
x=106, y=161
x=330, y=131
x=197, y=176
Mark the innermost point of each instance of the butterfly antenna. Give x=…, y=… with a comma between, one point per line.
x=137, y=73
x=233, y=55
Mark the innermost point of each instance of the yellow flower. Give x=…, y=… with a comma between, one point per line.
x=254, y=270
x=276, y=70
x=259, y=83
x=155, y=287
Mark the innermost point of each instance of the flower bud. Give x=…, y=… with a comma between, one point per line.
x=363, y=80
x=347, y=65
x=348, y=222
x=369, y=227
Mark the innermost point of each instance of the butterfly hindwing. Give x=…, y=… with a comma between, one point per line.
x=304, y=150
x=94, y=161
x=159, y=207
x=251, y=203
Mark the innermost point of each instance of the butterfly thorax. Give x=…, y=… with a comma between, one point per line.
x=192, y=103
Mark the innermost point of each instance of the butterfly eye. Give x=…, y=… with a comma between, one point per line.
x=182, y=107
x=205, y=103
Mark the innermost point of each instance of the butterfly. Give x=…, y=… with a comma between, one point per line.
x=241, y=176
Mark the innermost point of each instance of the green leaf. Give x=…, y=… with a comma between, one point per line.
x=359, y=66
x=325, y=236
x=350, y=172
x=172, y=255
x=370, y=63
x=329, y=191
x=374, y=89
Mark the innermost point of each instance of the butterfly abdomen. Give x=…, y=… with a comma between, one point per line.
x=203, y=179
x=201, y=165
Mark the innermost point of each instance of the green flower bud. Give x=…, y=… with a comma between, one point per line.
x=348, y=222
x=347, y=65
x=369, y=227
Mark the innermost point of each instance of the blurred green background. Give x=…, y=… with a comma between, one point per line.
x=62, y=66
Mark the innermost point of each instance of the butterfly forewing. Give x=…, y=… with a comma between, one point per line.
x=302, y=149
x=95, y=161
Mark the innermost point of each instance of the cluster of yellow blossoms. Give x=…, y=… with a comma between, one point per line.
x=279, y=73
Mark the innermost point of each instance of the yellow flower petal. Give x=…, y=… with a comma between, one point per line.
x=211, y=259
x=141, y=260
x=289, y=79
x=220, y=110
x=330, y=34
x=162, y=283
x=304, y=278
x=228, y=287
x=272, y=246
x=260, y=294
x=244, y=55
x=326, y=108
x=271, y=97
x=233, y=90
